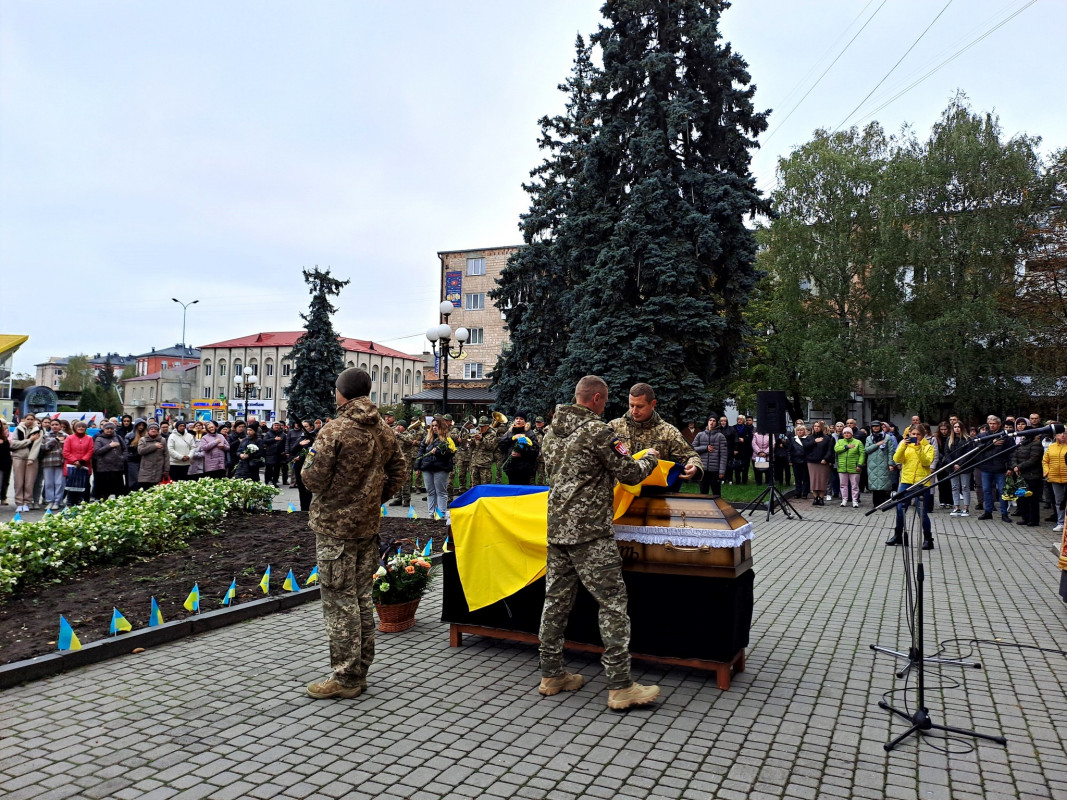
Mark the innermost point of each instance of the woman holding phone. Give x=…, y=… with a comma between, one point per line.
x=914, y=454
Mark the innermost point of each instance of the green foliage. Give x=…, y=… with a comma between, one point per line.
x=129, y=371
x=91, y=398
x=404, y=577
x=318, y=357
x=639, y=263
x=148, y=522
x=77, y=374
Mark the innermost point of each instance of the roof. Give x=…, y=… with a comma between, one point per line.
x=288, y=339
x=456, y=394
x=11, y=341
x=480, y=249
x=177, y=350
x=116, y=360
x=155, y=376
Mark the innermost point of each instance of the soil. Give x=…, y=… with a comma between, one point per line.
x=29, y=622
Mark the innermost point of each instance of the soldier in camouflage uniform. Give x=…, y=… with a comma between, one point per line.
x=541, y=477
x=354, y=465
x=461, y=461
x=642, y=428
x=409, y=447
x=483, y=453
x=584, y=459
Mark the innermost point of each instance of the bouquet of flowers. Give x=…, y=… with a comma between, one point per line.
x=402, y=578
x=251, y=450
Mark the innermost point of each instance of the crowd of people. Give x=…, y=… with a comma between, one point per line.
x=52, y=463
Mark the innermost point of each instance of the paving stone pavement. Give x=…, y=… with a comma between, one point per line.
x=223, y=715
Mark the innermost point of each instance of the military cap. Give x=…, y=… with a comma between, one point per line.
x=447, y=417
x=483, y=420
x=402, y=422
x=539, y=419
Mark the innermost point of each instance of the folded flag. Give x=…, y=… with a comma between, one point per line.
x=313, y=577
x=68, y=639
x=264, y=582
x=17, y=517
x=429, y=547
x=384, y=513
x=192, y=602
x=231, y=593
x=290, y=584
x=155, y=616
x=437, y=514
x=291, y=508
x=411, y=512
x=118, y=622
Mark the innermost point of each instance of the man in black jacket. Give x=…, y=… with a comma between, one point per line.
x=272, y=447
x=235, y=442
x=742, y=445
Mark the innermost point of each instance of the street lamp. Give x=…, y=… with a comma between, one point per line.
x=181, y=362
x=440, y=337
x=248, y=380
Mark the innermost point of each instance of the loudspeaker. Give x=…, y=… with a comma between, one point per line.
x=770, y=412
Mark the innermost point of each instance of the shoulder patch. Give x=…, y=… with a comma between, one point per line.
x=620, y=448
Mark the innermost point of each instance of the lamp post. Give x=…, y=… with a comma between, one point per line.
x=181, y=383
x=248, y=380
x=440, y=337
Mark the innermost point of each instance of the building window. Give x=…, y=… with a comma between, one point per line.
x=287, y=370
x=407, y=377
x=472, y=370
x=396, y=376
x=56, y=383
x=477, y=336
x=374, y=397
x=163, y=364
x=374, y=375
x=285, y=391
x=237, y=368
x=152, y=389
x=418, y=380
x=59, y=373
x=475, y=266
x=396, y=397
x=269, y=366
x=255, y=367
x=207, y=369
x=268, y=393
x=207, y=392
x=351, y=364
x=474, y=302
x=222, y=369
x=385, y=375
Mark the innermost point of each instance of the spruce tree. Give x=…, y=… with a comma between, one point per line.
x=317, y=356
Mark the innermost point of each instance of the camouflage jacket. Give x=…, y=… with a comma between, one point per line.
x=353, y=466
x=584, y=458
x=483, y=453
x=658, y=434
x=409, y=442
x=462, y=439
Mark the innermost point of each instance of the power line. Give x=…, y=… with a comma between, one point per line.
x=893, y=68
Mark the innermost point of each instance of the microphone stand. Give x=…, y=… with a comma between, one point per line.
x=920, y=719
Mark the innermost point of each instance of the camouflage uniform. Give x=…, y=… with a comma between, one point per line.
x=409, y=446
x=483, y=453
x=541, y=476
x=460, y=461
x=584, y=459
x=658, y=434
x=354, y=465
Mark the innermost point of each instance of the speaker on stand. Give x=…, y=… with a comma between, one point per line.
x=770, y=420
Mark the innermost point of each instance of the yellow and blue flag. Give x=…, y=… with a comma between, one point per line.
x=291, y=508
x=290, y=584
x=231, y=593
x=17, y=517
x=192, y=602
x=384, y=513
x=155, y=616
x=429, y=547
x=415, y=550
x=264, y=582
x=437, y=514
x=118, y=622
x=68, y=639
x=444, y=547
x=48, y=512
x=411, y=512
x=313, y=577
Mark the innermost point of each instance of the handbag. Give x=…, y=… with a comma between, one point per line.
x=759, y=462
x=77, y=479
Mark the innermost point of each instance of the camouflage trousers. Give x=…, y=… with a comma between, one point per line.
x=404, y=492
x=481, y=475
x=459, y=470
x=346, y=575
x=598, y=565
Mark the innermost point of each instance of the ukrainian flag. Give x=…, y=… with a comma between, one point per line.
x=383, y=513
x=155, y=616
x=118, y=622
x=313, y=577
x=192, y=602
x=264, y=582
x=290, y=584
x=231, y=593
x=411, y=512
x=429, y=547
x=291, y=508
x=68, y=639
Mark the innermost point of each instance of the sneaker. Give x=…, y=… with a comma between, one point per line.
x=633, y=695
x=965, y=514
x=855, y=504
x=844, y=503
x=567, y=682
x=330, y=688
x=1058, y=529
x=954, y=513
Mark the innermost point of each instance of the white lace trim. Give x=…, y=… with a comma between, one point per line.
x=684, y=537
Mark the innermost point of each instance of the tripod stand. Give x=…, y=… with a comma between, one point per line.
x=772, y=494
x=920, y=719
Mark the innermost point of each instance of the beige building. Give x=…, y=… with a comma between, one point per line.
x=393, y=373
x=167, y=391
x=467, y=277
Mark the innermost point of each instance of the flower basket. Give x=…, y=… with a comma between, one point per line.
x=397, y=617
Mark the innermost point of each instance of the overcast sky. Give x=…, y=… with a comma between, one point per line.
x=207, y=150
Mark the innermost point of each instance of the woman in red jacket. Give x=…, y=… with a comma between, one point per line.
x=78, y=453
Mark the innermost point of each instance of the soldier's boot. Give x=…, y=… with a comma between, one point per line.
x=633, y=695
x=398, y=502
x=567, y=682
x=330, y=688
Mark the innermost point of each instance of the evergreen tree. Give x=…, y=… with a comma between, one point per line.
x=91, y=399
x=77, y=375
x=317, y=356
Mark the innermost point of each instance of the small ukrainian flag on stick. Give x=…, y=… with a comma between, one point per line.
x=417, y=546
x=384, y=512
x=264, y=582
x=231, y=593
x=290, y=584
x=192, y=602
x=429, y=547
x=313, y=577
x=155, y=616
x=68, y=639
x=444, y=547
x=411, y=512
x=291, y=508
x=437, y=514
x=118, y=622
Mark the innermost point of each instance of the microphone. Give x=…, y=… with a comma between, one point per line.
x=1029, y=433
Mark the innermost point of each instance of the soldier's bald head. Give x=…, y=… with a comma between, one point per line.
x=588, y=387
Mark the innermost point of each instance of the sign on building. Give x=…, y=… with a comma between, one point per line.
x=454, y=287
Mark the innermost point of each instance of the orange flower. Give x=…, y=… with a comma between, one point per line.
x=410, y=570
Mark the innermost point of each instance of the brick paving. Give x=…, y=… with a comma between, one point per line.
x=223, y=715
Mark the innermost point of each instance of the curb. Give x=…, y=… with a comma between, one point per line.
x=34, y=669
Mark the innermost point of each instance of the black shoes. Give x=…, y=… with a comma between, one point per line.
x=986, y=515
x=928, y=544
x=895, y=540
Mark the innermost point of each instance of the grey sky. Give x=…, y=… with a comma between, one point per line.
x=210, y=150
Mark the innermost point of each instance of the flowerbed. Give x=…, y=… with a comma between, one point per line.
x=148, y=522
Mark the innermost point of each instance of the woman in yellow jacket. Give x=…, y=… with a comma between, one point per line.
x=915, y=454
x=1054, y=466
